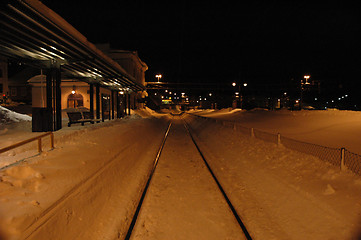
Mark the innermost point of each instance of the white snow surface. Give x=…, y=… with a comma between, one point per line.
x=88, y=186
x=331, y=128
x=7, y=115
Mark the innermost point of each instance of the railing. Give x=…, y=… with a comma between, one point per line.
x=38, y=138
x=337, y=156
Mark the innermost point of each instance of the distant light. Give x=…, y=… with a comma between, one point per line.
x=162, y=97
x=166, y=90
x=175, y=93
x=170, y=92
x=306, y=76
x=236, y=93
x=346, y=95
x=339, y=99
x=297, y=101
x=158, y=76
x=316, y=99
x=245, y=84
x=285, y=93
x=73, y=92
x=342, y=97
x=210, y=94
x=332, y=101
x=121, y=92
x=234, y=84
x=205, y=99
x=155, y=94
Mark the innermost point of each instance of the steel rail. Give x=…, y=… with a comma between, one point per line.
x=230, y=205
x=134, y=219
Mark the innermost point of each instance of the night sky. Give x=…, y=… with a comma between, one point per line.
x=213, y=41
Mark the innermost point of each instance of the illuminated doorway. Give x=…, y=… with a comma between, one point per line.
x=75, y=100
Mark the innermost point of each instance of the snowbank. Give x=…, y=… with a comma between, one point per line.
x=331, y=128
x=279, y=193
x=7, y=116
x=73, y=191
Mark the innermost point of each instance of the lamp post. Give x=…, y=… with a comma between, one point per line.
x=240, y=97
x=158, y=76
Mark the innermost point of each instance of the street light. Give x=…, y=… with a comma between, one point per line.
x=158, y=76
x=240, y=99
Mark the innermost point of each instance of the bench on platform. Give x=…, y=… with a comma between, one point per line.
x=80, y=117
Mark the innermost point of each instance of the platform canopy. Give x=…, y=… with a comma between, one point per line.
x=32, y=33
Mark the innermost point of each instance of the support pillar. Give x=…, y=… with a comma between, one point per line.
x=97, y=101
x=112, y=103
x=91, y=97
x=125, y=103
x=110, y=108
x=129, y=104
x=53, y=97
x=48, y=117
x=118, y=105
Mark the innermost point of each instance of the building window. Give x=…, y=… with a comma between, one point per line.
x=75, y=101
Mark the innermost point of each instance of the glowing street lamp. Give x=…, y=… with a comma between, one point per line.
x=158, y=76
x=306, y=77
x=240, y=98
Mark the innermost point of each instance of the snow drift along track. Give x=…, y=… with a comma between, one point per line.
x=74, y=191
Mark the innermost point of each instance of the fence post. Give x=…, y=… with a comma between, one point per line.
x=343, y=166
x=252, y=132
x=39, y=145
x=278, y=139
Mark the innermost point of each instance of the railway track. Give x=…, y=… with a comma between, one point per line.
x=198, y=151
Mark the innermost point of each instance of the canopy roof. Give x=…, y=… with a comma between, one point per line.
x=33, y=33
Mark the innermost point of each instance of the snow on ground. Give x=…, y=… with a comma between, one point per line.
x=88, y=186
x=331, y=128
x=7, y=116
x=183, y=201
x=281, y=194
